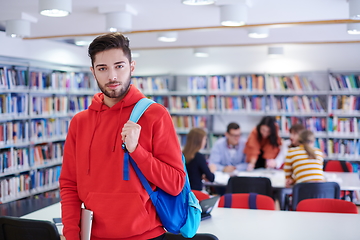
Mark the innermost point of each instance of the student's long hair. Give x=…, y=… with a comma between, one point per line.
x=193, y=143
x=305, y=138
x=271, y=123
x=296, y=128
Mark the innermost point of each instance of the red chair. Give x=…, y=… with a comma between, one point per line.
x=247, y=201
x=200, y=195
x=339, y=166
x=326, y=205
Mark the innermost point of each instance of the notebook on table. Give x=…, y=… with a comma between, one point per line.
x=207, y=205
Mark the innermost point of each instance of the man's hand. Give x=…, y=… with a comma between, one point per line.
x=229, y=169
x=130, y=135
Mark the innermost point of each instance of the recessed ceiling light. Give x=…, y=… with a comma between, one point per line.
x=55, y=8
x=233, y=15
x=201, y=52
x=198, y=2
x=275, y=51
x=258, y=32
x=17, y=28
x=353, y=28
x=354, y=9
x=167, y=36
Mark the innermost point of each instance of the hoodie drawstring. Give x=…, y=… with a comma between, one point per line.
x=92, y=136
x=118, y=129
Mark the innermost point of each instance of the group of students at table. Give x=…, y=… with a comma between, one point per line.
x=263, y=148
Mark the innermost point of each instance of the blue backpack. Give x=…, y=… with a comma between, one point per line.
x=178, y=214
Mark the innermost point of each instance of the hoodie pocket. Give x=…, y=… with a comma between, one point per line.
x=117, y=215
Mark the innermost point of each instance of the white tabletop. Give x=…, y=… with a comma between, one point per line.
x=347, y=181
x=228, y=223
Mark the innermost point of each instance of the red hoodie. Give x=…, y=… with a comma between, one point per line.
x=92, y=170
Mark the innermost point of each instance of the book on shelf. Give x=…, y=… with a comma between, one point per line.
x=341, y=82
x=293, y=83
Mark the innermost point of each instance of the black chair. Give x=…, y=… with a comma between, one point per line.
x=198, y=236
x=308, y=190
x=260, y=185
x=14, y=228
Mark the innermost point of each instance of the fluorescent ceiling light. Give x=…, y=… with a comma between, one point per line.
x=198, y=2
x=233, y=15
x=18, y=28
x=354, y=9
x=118, y=21
x=353, y=28
x=275, y=51
x=55, y=8
x=260, y=32
x=167, y=36
x=201, y=52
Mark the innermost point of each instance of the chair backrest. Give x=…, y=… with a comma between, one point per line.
x=308, y=190
x=338, y=166
x=200, y=195
x=247, y=201
x=326, y=205
x=14, y=228
x=198, y=236
x=260, y=185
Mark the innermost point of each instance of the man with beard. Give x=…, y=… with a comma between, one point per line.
x=93, y=167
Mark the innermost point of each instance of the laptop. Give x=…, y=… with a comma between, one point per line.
x=207, y=205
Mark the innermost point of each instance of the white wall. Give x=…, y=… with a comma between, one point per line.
x=222, y=60
x=43, y=50
x=254, y=59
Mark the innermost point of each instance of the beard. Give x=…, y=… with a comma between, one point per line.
x=115, y=93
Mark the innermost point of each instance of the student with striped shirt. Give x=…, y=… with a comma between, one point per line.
x=305, y=162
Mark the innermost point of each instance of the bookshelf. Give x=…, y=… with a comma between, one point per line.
x=325, y=102
x=37, y=102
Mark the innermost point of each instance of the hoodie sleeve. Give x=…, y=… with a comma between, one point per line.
x=163, y=166
x=70, y=202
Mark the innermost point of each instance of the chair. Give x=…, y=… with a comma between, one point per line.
x=247, y=201
x=260, y=185
x=339, y=166
x=307, y=190
x=198, y=236
x=200, y=195
x=326, y=205
x=14, y=228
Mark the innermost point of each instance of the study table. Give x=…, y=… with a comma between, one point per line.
x=230, y=223
x=347, y=181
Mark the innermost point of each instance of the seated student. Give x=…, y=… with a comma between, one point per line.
x=305, y=162
x=196, y=165
x=227, y=153
x=294, y=130
x=263, y=144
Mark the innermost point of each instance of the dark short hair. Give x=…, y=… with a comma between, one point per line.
x=232, y=125
x=109, y=41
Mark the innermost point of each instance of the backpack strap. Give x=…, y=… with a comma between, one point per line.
x=138, y=110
